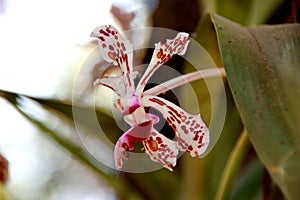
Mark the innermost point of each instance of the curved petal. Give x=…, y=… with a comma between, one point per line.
x=161, y=149
x=126, y=142
x=162, y=53
x=191, y=132
x=117, y=50
x=117, y=84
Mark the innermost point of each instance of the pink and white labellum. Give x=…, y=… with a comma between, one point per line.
x=191, y=133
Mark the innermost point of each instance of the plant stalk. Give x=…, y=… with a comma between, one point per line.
x=232, y=166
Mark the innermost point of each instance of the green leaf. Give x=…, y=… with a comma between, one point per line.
x=262, y=65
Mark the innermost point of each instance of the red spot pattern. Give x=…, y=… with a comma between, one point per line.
x=174, y=117
x=159, y=140
x=160, y=54
x=157, y=101
x=189, y=129
x=101, y=38
x=182, y=144
x=161, y=149
x=183, y=117
x=112, y=55
x=183, y=127
x=174, y=111
x=107, y=29
x=153, y=146
x=123, y=46
x=110, y=47
x=101, y=31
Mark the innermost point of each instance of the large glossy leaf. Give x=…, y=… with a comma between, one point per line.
x=262, y=65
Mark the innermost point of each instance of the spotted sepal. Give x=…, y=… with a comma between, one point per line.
x=191, y=132
x=117, y=84
x=161, y=149
x=162, y=53
x=117, y=50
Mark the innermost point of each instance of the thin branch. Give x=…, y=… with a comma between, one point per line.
x=184, y=79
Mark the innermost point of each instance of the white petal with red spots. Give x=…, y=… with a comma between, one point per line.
x=162, y=53
x=117, y=50
x=191, y=132
x=161, y=149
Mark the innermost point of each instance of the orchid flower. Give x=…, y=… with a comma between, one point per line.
x=191, y=133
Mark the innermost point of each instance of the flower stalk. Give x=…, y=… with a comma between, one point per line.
x=184, y=79
x=232, y=166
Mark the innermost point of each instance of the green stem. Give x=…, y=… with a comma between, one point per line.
x=232, y=166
